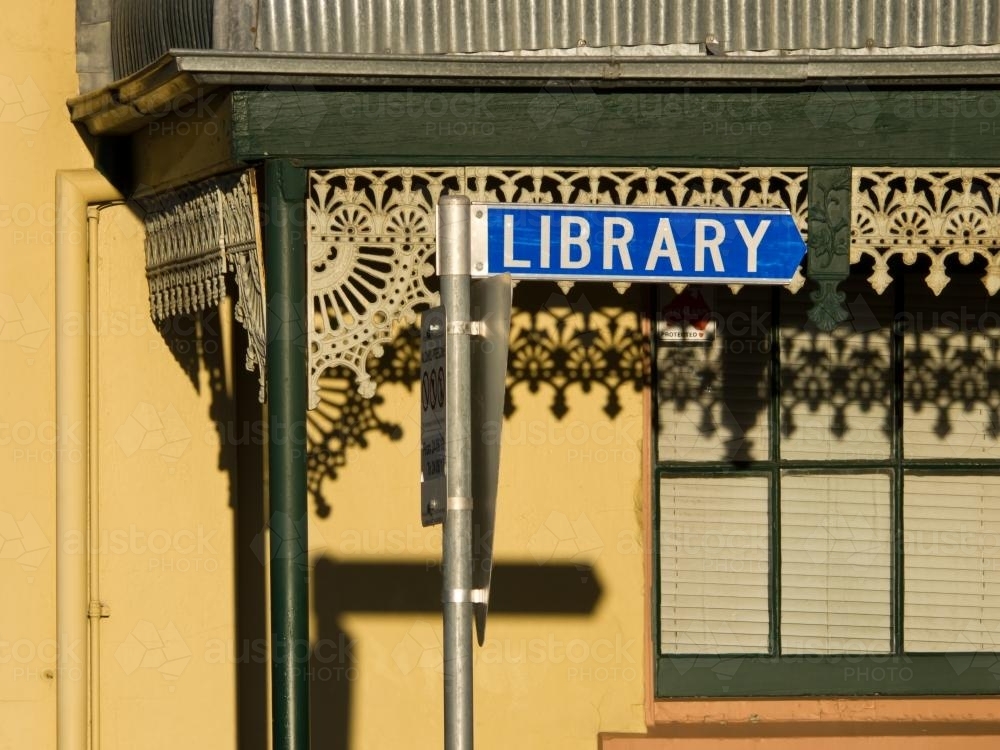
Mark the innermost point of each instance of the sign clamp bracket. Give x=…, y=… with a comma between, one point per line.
x=461, y=596
x=459, y=503
x=475, y=328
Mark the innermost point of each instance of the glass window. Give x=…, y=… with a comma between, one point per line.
x=829, y=503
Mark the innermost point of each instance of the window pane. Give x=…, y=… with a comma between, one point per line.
x=952, y=563
x=714, y=393
x=952, y=370
x=835, y=563
x=714, y=565
x=835, y=387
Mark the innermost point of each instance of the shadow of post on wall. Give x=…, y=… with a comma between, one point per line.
x=590, y=340
x=340, y=587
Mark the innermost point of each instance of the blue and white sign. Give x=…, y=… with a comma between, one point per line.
x=632, y=243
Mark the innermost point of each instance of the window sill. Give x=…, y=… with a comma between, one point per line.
x=976, y=710
x=904, y=723
x=799, y=741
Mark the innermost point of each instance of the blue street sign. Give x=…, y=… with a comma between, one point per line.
x=633, y=243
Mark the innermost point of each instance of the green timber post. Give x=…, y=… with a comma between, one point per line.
x=287, y=378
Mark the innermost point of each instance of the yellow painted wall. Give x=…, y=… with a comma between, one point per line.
x=37, y=75
x=166, y=540
x=166, y=521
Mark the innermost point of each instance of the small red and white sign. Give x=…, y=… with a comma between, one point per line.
x=686, y=317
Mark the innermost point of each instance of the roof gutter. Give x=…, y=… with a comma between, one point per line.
x=124, y=105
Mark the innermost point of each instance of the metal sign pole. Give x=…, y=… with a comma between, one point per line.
x=454, y=267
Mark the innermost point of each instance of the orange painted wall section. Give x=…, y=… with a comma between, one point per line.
x=802, y=742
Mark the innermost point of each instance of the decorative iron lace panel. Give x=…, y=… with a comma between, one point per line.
x=932, y=213
x=372, y=232
x=194, y=236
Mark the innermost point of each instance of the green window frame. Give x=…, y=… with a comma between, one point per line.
x=896, y=672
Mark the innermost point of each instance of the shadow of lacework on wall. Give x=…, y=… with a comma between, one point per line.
x=569, y=347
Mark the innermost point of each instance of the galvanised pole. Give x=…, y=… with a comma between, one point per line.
x=453, y=265
x=285, y=265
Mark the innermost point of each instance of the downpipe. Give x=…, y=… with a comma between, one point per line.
x=76, y=190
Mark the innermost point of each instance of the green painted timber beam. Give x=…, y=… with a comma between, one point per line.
x=831, y=124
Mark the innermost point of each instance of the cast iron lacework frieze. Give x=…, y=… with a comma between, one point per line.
x=934, y=213
x=372, y=233
x=194, y=237
x=370, y=247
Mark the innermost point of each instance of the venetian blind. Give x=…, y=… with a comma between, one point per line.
x=952, y=563
x=835, y=563
x=714, y=565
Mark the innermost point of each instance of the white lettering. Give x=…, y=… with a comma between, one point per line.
x=570, y=240
x=752, y=241
x=508, y=245
x=664, y=246
x=617, y=243
x=703, y=243
x=545, y=260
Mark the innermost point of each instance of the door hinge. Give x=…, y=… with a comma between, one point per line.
x=98, y=610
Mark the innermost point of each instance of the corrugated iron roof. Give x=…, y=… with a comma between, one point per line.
x=141, y=31
x=471, y=26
